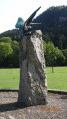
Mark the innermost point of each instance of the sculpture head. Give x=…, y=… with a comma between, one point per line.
x=20, y=23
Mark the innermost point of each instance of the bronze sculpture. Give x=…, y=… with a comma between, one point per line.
x=27, y=26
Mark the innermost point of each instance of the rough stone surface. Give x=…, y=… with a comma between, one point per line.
x=33, y=83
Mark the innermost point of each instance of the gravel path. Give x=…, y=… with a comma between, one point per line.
x=55, y=109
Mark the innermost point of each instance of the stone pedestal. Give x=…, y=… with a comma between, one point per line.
x=33, y=83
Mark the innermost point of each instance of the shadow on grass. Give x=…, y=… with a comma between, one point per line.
x=11, y=107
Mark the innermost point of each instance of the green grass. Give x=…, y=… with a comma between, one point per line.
x=9, y=78
x=58, y=79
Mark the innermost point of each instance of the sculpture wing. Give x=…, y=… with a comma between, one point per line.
x=27, y=22
x=35, y=24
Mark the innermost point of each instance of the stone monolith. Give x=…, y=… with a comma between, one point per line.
x=33, y=83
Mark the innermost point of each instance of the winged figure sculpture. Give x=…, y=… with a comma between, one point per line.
x=25, y=27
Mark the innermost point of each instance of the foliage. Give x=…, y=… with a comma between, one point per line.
x=54, y=25
x=64, y=51
x=53, y=55
x=60, y=57
x=46, y=37
x=5, y=40
x=49, y=53
x=5, y=49
x=9, y=52
x=13, y=34
x=5, y=52
x=15, y=56
x=15, y=46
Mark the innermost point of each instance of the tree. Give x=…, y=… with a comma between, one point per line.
x=5, y=51
x=9, y=52
x=64, y=51
x=6, y=40
x=15, y=56
x=61, y=41
x=60, y=57
x=49, y=52
x=46, y=37
x=53, y=56
x=15, y=47
x=54, y=24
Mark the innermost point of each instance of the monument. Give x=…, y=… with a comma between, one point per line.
x=33, y=82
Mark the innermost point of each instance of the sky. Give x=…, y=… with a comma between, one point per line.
x=10, y=10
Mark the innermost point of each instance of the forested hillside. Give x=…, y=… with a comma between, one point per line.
x=54, y=27
x=13, y=34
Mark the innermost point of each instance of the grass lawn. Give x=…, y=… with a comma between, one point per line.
x=9, y=78
x=58, y=79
